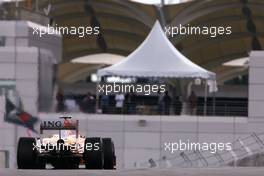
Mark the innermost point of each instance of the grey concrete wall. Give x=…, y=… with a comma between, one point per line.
x=135, y=143
x=20, y=64
x=7, y=136
x=28, y=60
x=21, y=33
x=256, y=85
x=20, y=59
x=256, y=91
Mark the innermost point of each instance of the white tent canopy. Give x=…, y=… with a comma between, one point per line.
x=156, y=57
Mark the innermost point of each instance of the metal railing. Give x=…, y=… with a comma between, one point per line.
x=219, y=108
x=242, y=149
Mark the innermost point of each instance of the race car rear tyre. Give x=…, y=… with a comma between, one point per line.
x=109, y=153
x=93, y=153
x=27, y=155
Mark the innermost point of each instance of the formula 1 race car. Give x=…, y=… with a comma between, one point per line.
x=65, y=150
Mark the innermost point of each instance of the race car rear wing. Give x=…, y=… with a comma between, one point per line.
x=60, y=125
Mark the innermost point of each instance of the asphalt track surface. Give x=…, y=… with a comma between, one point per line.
x=152, y=172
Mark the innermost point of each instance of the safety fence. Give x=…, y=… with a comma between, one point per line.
x=216, y=108
x=241, y=148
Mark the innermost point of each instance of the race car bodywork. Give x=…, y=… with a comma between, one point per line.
x=65, y=150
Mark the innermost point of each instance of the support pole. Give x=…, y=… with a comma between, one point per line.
x=37, y=5
x=160, y=9
x=16, y=128
x=214, y=103
x=97, y=97
x=205, y=98
x=17, y=7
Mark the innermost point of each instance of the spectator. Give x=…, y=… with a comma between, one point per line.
x=93, y=104
x=193, y=103
x=60, y=101
x=131, y=103
x=89, y=103
x=177, y=106
x=167, y=103
x=119, y=99
x=70, y=104
x=104, y=103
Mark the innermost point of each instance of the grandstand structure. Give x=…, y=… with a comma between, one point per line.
x=125, y=25
x=36, y=67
